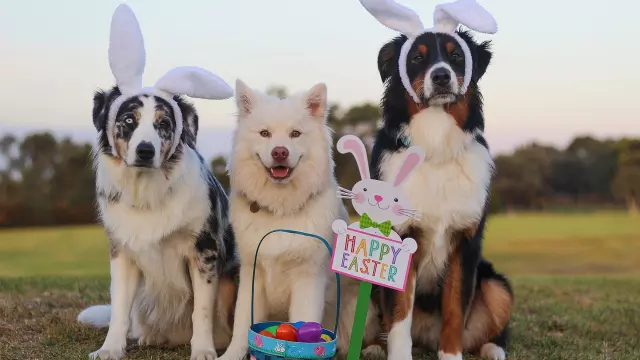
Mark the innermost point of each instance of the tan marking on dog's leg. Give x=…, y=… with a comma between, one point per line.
x=452, y=316
x=490, y=313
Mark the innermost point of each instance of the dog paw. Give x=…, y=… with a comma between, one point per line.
x=444, y=356
x=339, y=226
x=400, y=355
x=151, y=340
x=107, y=354
x=234, y=355
x=203, y=354
x=491, y=351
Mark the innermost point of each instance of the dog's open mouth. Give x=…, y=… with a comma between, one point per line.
x=280, y=172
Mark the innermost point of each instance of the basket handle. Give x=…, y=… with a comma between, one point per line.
x=295, y=232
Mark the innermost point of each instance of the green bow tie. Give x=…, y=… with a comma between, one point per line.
x=366, y=222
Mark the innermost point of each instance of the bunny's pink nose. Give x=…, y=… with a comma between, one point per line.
x=377, y=198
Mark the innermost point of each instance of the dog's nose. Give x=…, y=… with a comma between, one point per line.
x=377, y=198
x=441, y=77
x=145, y=151
x=279, y=153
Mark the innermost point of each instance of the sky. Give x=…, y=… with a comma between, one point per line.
x=561, y=67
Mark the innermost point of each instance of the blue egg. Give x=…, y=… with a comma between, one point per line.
x=298, y=324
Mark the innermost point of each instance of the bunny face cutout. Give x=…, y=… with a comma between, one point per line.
x=127, y=60
x=446, y=18
x=378, y=200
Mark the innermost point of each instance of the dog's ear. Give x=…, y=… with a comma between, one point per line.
x=315, y=101
x=245, y=99
x=388, y=57
x=481, y=54
x=481, y=59
x=189, y=119
x=100, y=109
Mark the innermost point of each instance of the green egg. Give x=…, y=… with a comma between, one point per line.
x=272, y=329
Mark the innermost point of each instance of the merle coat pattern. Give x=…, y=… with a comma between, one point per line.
x=173, y=254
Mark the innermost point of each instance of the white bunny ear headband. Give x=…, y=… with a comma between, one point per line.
x=127, y=61
x=446, y=18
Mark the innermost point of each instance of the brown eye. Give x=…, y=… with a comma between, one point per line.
x=417, y=58
x=295, y=134
x=456, y=56
x=265, y=133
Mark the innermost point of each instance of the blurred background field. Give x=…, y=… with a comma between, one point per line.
x=600, y=243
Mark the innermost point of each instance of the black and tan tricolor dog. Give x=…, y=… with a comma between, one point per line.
x=454, y=300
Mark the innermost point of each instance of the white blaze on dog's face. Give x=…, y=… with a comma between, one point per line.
x=281, y=134
x=144, y=131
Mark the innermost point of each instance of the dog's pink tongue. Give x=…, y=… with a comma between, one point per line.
x=279, y=172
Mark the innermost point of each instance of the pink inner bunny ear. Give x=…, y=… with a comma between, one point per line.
x=413, y=158
x=354, y=145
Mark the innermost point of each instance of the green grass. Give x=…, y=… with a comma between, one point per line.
x=554, y=319
x=531, y=244
x=576, y=278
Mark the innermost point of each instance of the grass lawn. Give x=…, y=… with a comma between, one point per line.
x=590, y=309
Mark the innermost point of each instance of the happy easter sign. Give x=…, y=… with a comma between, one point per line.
x=372, y=258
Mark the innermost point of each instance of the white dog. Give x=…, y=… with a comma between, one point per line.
x=281, y=172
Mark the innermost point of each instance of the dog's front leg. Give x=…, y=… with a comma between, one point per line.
x=452, y=310
x=204, y=280
x=307, y=297
x=125, y=278
x=399, y=342
x=238, y=347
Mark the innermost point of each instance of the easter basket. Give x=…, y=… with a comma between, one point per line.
x=263, y=347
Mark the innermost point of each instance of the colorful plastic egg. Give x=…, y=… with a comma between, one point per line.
x=325, y=338
x=272, y=329
x=309, y=332
x=297, y=325
x=286, y=332
x=267, y=333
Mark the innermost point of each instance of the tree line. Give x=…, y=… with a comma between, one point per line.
x=45, y=181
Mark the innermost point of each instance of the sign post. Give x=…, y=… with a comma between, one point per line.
x=369, y=250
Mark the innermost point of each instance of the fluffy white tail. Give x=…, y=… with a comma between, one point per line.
x=97, y=316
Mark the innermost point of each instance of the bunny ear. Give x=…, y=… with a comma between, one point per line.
x=354, y=145
x=469, y=13
x=195, y=82
x=126, y=50
x=413, y=157
x=395, y=16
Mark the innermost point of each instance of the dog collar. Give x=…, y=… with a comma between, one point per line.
x=446, y=18
x=255, y=206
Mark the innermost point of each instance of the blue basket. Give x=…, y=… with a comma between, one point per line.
x=266, y=348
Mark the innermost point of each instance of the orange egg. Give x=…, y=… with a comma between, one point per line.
x=286, y=332
x=267, y=333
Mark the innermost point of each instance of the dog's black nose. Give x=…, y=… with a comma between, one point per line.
x=145, y=151
x=441, y=77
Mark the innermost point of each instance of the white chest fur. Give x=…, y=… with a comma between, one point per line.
x=450, y=187
x=155, y=218
x=284, y=257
